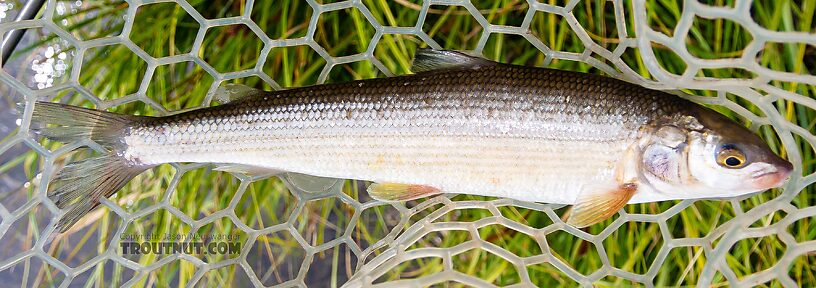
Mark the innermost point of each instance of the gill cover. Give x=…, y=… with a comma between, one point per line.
x=703, y=154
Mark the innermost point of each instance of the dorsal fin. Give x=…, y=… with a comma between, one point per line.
x=232, y=92
x=426, y=59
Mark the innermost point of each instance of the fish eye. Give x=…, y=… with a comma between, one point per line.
x=730, y=157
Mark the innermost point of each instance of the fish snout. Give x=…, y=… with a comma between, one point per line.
x=774, y=178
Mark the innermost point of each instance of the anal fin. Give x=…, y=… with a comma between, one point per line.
x=302, y=182
x=599, y=203
x=312, y=184
x=400, y=192
x=248, y=170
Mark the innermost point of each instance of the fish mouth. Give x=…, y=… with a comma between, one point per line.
x=773, y=178
x=763, y=174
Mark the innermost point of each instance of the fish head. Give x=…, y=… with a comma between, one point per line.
x=703, y=154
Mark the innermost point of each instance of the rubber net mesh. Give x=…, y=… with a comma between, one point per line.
x=337, y=235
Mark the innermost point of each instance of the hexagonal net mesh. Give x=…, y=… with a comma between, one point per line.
x=338, y=235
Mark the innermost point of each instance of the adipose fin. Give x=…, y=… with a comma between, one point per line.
x=427, y=59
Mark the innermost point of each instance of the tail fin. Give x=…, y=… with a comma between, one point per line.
x=75, y=123
x=78, y=187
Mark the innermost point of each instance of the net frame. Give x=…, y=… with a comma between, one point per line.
x=397, y=242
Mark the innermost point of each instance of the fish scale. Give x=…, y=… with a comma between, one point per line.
x=506, y=131
x=461, y=125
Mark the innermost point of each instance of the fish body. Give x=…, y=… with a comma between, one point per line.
x=507, y=131
x=460, y=125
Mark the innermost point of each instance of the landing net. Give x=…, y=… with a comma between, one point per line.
x=337, y=235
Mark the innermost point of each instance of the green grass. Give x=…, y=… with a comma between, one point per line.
x=164, y=29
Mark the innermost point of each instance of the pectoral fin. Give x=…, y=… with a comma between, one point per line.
x=599, y=203
x=400, y=192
